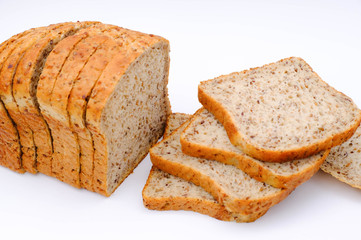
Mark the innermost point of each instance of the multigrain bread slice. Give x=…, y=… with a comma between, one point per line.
x=125, y=124
x=164, y=191
x=344, y=161
x=230, y=186
x=76, y=108
x=14, y=54
x=25, y=84
x=281, y=111
x=205, y=137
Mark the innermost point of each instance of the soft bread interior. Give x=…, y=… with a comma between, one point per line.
x=135, y=114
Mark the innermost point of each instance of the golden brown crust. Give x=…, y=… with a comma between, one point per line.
x=263, y=154
x=101, y=92
x=248, y=165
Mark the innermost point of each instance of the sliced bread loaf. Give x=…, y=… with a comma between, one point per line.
x=205, y=137
x=230, y=186
x=125, y=124
x=344, y=161
x=281, y=111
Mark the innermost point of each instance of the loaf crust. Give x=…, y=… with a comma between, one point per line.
x=256, y=169
x=24, y=86
x=6, y=84
x=265, y=154
x=103, y=89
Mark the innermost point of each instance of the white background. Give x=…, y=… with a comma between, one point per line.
x=208, y=39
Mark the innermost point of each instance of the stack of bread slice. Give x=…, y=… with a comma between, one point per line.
x=82, y=102
x=260, y=134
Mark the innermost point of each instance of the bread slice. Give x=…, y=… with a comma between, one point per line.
x=164, y=191
x=125, y=124
x=230, y=186
x=25, y=84
x=344, y=161
x=76, y=108
x=9, y=65
x=281, y=111
x=205, y=137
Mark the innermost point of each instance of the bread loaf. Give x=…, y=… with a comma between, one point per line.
x=67, y=94
x=281, y=111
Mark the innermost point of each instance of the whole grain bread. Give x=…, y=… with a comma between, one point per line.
x=141, y=66
x=281, y=111
x=344, y=161
x=230, y=186
x=136, y=67
x=205, y=137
